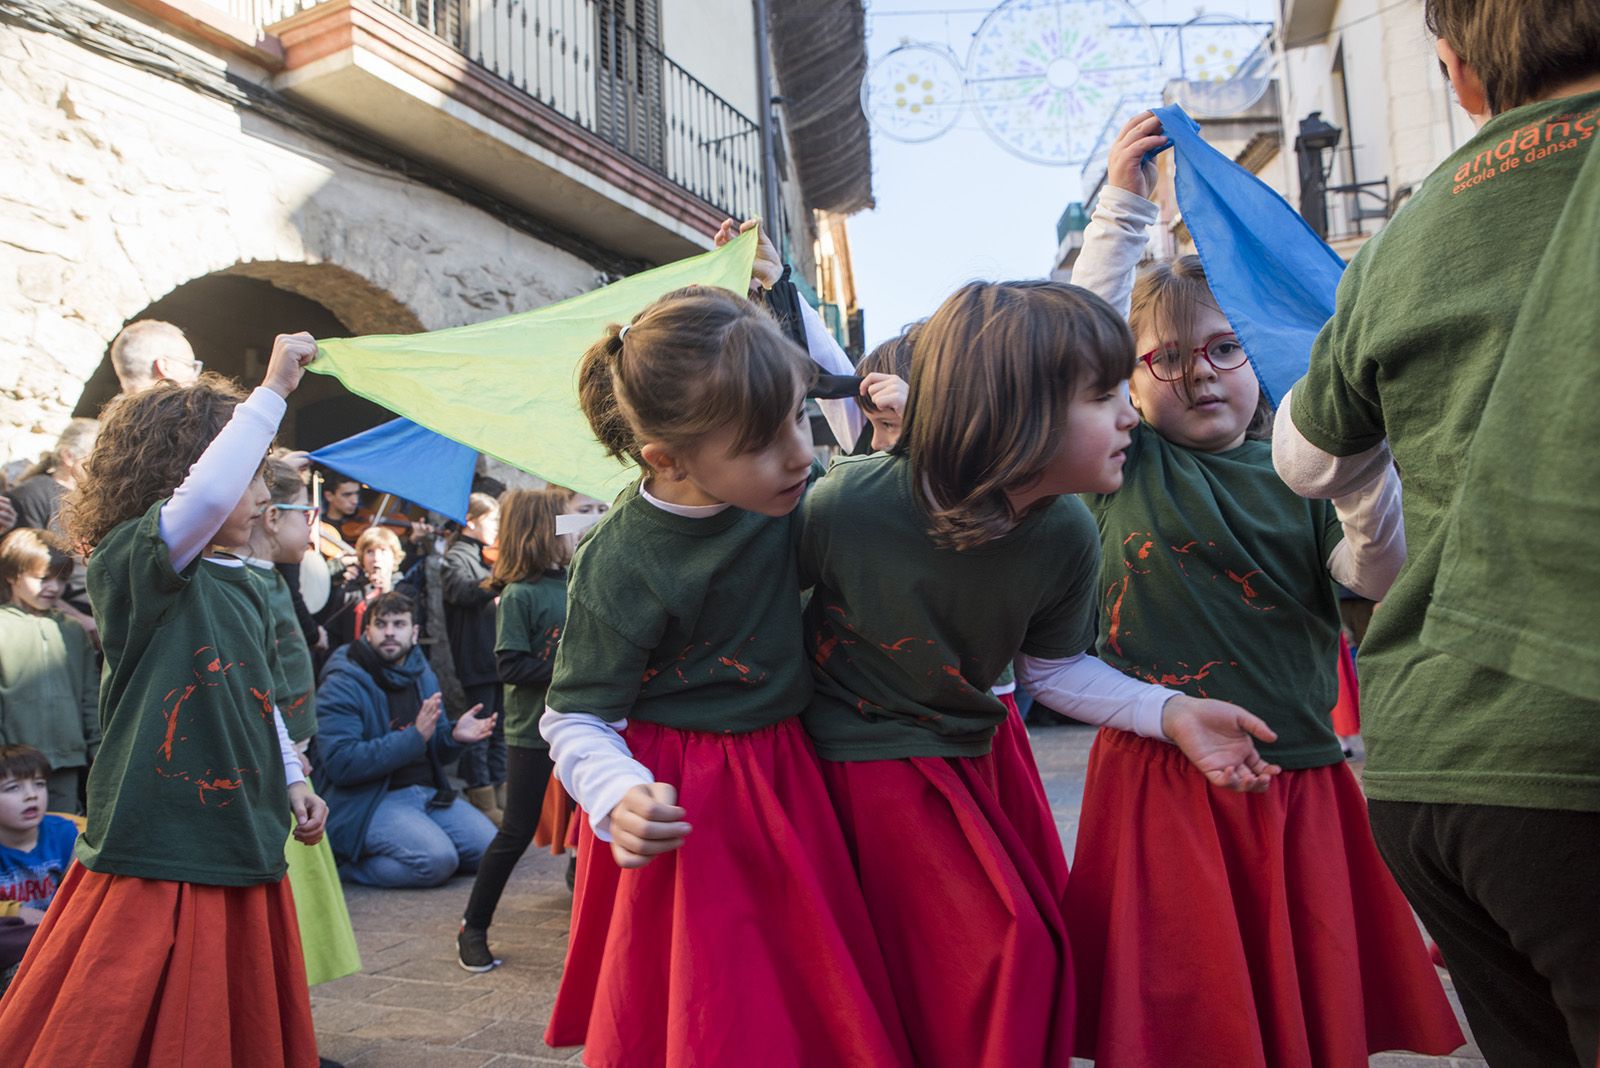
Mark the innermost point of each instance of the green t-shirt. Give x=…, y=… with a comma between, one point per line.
x=1424, y=316
x=188, y=784
x=1535, y=612
x=1214, y=581
x=906, y=637
x=690, y=623
x=529, y=620
x=294, y=679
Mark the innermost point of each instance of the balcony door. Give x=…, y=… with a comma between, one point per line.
x=629, y=107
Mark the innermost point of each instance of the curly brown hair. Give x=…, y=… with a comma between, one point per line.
x=148, y=441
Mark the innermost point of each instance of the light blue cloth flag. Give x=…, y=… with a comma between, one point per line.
x=409, y=461
x=1272, y=275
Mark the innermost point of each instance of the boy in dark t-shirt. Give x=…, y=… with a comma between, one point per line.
x=1484, y=786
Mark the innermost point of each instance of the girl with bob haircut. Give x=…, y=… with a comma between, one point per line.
x=177, y=910
x=714, y=918
x=935, y=565
x=529, y=581
x=1217, y=577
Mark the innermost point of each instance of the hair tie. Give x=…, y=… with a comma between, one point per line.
x=624, y=331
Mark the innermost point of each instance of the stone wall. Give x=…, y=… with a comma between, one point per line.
x=120, y=185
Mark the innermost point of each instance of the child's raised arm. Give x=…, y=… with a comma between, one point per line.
x=1116, y=237
x=218, y=481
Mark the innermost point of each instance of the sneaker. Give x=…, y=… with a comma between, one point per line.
x=472, y=950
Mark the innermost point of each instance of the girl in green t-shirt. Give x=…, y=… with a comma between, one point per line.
x=178, y=911
x=1211, y=928
x=715, y=919
x=530, y=583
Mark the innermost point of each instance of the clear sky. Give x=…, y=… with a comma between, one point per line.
x=961, y=207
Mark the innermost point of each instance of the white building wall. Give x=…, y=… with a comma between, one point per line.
x=714, y=40
x=1401, y=121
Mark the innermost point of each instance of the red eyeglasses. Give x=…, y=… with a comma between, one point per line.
x=1222, y=351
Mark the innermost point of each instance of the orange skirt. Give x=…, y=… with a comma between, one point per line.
x=556, y=830
x=131, y=972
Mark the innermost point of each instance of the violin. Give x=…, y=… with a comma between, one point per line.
x=352, y=528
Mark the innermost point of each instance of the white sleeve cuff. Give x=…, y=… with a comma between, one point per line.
x=292, y=771
x=593, y=762
x=1315, y=473
x=1088, y=689
x=1373, y=551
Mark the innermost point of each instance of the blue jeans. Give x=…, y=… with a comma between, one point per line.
x=411, y=845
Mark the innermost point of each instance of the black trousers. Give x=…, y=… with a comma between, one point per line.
x=1512, y=897
x=527, y=776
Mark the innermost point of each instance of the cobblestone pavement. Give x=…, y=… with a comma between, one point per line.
x=413, y=1006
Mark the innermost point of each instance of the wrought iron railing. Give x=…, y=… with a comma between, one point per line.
x=596, y=65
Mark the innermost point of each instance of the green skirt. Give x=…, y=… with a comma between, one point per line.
x=326, y=937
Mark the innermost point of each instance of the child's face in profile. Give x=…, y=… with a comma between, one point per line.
x=37, y=592
x=769, y=480
x=235, y=530
x=22, y=802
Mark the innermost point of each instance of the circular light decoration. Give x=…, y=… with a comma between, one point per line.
x=1227, y=65
x=1044, y=75
x=913, y=93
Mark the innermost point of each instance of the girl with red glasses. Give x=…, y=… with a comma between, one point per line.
x=1211, y=927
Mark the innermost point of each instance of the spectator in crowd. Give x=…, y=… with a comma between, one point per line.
x=36, y=502
x=469, y=609
x=49, y=673
x=35, y=851
x=36, y=498
x=374, y=572
x=148, y=351
x=341, y=500
x=384, y=738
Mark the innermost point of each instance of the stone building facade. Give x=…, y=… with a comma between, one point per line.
x=172, y=159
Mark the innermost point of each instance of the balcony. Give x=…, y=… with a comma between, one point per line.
x=564, y=108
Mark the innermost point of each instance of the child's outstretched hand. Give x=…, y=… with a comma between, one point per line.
x=470, y=729
x=290, y=354
x=768, y=267
x=310, y=814
x=885, y=392
x=1126, y=168
x=646, y=823
x=1217, y=737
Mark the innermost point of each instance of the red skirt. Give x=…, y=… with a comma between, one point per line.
x=955, y=858
x=1347, y=709
x=1024, y=800
x=1243, y=929
x=750, y=944
x=127, y=972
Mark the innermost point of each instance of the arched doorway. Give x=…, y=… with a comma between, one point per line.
x=231, y=318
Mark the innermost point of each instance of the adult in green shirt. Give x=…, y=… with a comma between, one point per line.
x=1484, y=785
